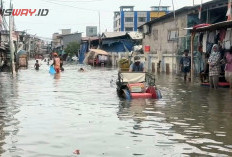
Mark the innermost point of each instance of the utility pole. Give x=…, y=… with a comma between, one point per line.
x=159, y=8
x=11, y=43
x=99, y=28
x=29, y=46
x=99, y=16
x=174, y=12
x=193, y=3
x=1, y=16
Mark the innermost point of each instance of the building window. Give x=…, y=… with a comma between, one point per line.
x=141, y=19
x=91, y=30
x=127, y=29
x=153, y=18
x=160, y=9
x=129, y=19
x=172, y=35
x=155, y=34
x=164, y=9
x=156, y=8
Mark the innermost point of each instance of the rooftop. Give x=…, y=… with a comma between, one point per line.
x=168, y=15
x=113, y=34
x=61, y=35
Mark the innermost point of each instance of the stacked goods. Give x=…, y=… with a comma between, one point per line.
x=23, y=61
x=124, y=64
x=136, y=87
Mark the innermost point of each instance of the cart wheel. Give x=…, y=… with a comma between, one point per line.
x=127, y=94
x=159, y=95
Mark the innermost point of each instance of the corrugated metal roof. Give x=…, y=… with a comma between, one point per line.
x=168, y=15
x=186, y=8
x=89, y=38
x=99, y=52
x=61, y=35
x=113, y=34
x=136, y=35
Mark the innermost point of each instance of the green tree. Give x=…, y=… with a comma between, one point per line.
x=72, y=48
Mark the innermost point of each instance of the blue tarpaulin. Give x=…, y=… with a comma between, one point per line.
x=84, y=48
x=117, y=45
x=22, y=52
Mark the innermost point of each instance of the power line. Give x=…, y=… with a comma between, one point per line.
x=159, y=8
x=84, y=1
x=71, y=6
x=41, y=23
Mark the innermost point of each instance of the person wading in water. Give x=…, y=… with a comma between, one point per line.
x=137, y=66
x=56, y=63
x=37, y=65
x=185, y=64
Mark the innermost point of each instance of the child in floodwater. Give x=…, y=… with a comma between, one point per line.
x=48, y=61
x=37, y=65
x=81, y=70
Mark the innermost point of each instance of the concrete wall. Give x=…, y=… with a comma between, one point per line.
x=71, y=38
x=66, y=31
x=55, y=40
x=164, y=49
x=91, y=31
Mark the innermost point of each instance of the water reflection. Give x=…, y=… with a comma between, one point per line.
x=57, y=76
x=53, y=115
x=192, y=119
x=8, y=108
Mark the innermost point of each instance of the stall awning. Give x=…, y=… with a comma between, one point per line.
x=99, y=52
x=216, y=26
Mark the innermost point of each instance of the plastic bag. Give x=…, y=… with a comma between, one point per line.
x=52, y=70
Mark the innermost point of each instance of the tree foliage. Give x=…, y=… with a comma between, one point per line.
x=72, y=48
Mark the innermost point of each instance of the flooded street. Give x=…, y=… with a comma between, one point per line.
x=52, y=117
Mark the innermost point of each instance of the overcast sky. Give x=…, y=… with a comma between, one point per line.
x=77, y=14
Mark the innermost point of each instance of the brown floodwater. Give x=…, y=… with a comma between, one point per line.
x=46, y=116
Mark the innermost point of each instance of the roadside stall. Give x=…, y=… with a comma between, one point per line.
x=22, y=59
x=97, y=57
x=208, y=35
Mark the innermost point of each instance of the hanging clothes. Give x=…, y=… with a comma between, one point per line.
x=217, y=37
x=209, y=47
x=211, y=37
x=204, y=42
x=200, y=37
x=222, y=34
x=227, y=39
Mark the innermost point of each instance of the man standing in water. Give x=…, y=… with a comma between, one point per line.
x=137, y=66
x=56, y=63
x=185, y=64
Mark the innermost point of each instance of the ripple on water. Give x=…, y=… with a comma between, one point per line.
x=46, y=116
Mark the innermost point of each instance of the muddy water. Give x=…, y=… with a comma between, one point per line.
x=52, y=116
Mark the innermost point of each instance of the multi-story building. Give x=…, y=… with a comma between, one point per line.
x=129, y=20
x=167, y=37
x=91, y=31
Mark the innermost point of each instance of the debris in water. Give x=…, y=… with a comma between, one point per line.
x=76, y=152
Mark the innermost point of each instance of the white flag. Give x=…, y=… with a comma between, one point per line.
x=199, y=16
x=228, y=14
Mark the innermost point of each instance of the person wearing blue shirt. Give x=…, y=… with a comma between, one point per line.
x=137, y=66
x=185, y=64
